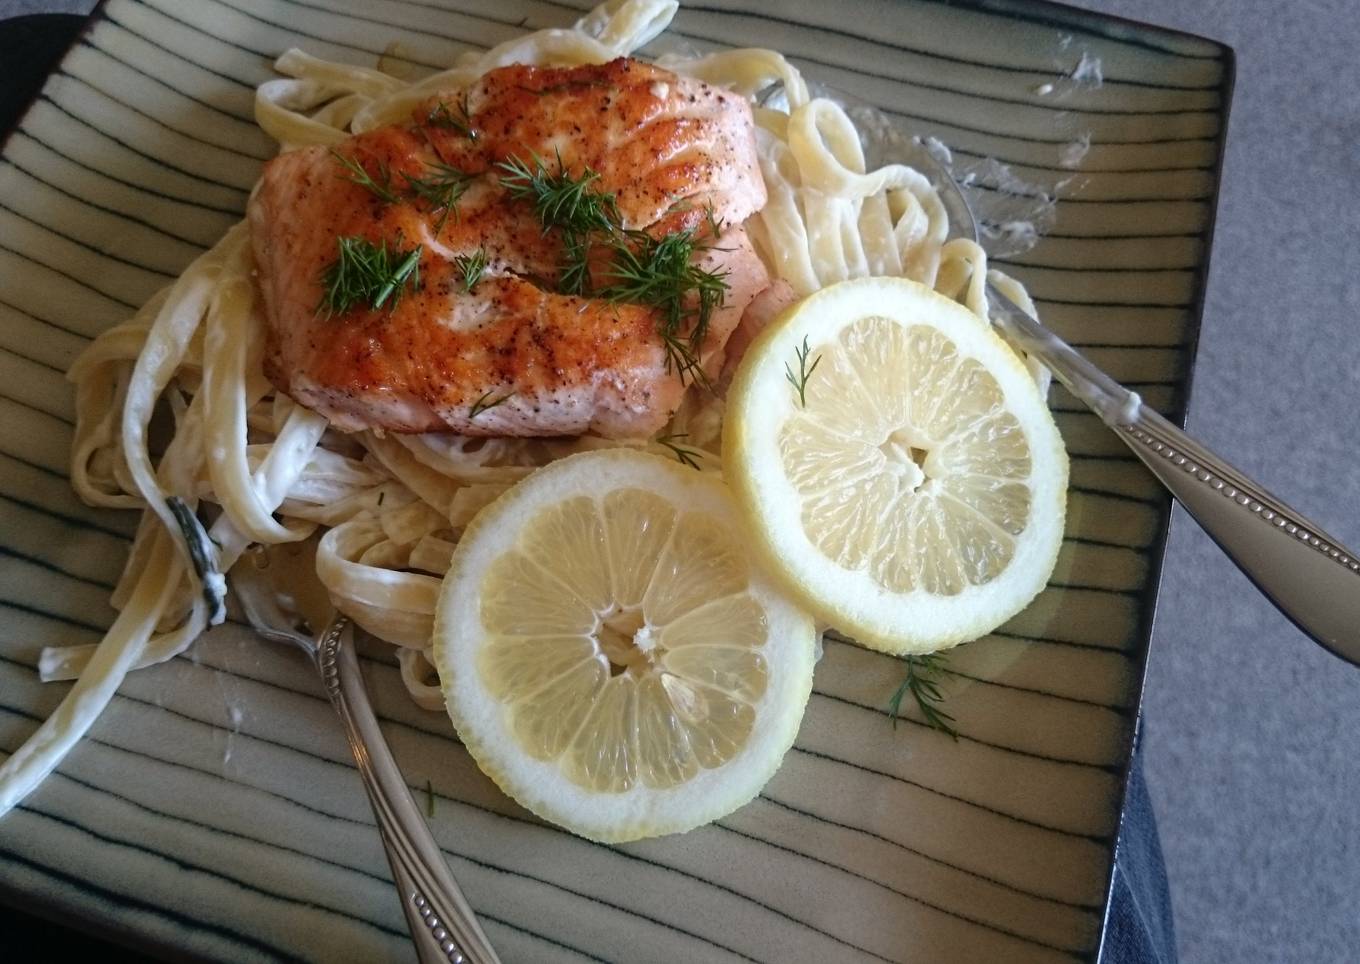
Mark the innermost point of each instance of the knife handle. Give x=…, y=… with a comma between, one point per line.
x=1308, y=574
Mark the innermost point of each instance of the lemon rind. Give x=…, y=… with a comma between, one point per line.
x=539, y=786
x=873, y=616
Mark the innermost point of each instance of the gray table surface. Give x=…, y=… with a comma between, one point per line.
x=1249, y=726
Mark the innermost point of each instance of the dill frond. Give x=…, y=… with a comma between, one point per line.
x=455, y=118
x=683, y=454
x=922, y=684
x=440, y=189
x=659, y=272
x=472, y=266
x=560, y=200
x=655, y=272
x=367, y=273
x=568, y=203
x=487, y=402
x=799, y=381
x=574, y=277
x=380, y=187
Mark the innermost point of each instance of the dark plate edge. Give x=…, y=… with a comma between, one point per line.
x=115, y=943
x=1157, y=571
x=1064, y=13
x=94, y=16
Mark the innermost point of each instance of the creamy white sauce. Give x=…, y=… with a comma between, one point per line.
x=1128, y=412
x=1014, y=213
x=1018, y=211
x=1072, y=154
x=1014, y=234
x=939, y=150
x=1087, y=73
x=216, y=584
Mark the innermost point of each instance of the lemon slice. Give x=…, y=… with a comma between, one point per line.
x=917, y=499
x=609, y=654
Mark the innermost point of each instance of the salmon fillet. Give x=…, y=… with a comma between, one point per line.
x=677, y=155
x=767, y=305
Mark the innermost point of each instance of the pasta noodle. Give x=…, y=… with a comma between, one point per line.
x=393, y=508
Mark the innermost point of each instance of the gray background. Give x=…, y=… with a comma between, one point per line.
x=1248, y=725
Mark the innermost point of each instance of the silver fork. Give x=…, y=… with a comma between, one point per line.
x=444, y=928
x=1311, y=577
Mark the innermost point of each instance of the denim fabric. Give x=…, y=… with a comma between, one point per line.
x=1139, y=929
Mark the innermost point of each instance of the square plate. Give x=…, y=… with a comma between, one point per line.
x=214, y=808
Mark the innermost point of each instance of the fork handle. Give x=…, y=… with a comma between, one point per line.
x=1309, y=575
x=443, y=926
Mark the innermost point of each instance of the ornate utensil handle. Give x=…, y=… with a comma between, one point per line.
x=443, y=925
x=1311, y=577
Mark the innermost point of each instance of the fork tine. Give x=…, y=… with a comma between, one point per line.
x=262, y=607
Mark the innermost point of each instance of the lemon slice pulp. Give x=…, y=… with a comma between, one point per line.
x=914, y=495
x=608, y=653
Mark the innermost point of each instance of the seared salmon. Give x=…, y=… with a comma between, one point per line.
x=513, y=353
x=765, y=307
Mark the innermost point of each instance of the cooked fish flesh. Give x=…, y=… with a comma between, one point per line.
x=512, y=353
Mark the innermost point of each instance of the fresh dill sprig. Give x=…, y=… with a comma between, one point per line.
x=380, y=187
x=441, y=189
x=660, y=272
x=486, y=402
x=685, y=456
x=367, y=273
x=682, y=359
x=574, y=277
x=472, y=267
x=568, y=203
x=922, y=683
x=560, y=200
x=799, y=381
x=715, y=227
x=655, y=272
x=442, y=115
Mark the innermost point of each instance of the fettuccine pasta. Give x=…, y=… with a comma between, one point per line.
x=391, y=509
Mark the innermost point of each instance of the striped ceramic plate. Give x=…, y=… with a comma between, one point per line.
x=214, y=808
